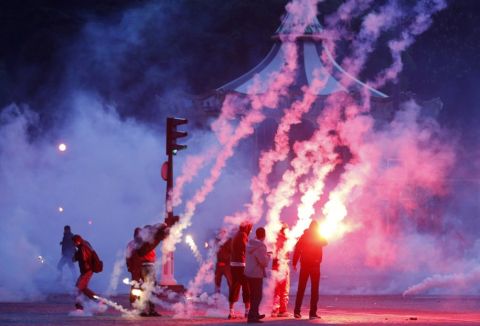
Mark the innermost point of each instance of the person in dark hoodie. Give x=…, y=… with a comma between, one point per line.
x=84, y=257
x=237, y=268
x=309, y=250
x=68, y=250
x=148, y=239
x=256, y=261
x=222, y=266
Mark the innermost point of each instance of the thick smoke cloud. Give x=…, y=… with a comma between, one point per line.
x=396, y=190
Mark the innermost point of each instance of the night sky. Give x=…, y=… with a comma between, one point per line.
x=136, y=54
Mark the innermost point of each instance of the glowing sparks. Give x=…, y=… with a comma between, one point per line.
x=62, y=147
x=41, y=260
x=206, y=245
x=126, y=281
x=189, y=241
x=332, y=227
x=60, y=209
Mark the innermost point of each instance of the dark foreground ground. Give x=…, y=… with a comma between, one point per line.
x=335, y=310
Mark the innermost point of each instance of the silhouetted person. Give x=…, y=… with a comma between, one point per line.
x=309, y=250
x=237, y=267
x=222, y=266
x=149, y=238
x=257, y=260
x=84, y=257
x=282, y=274
x=68, y=250
x=134, y=263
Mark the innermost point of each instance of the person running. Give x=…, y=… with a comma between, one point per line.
x=309, y=250
x=237, y=267
x=256, y=261
x=68, y=251
x=84, y=257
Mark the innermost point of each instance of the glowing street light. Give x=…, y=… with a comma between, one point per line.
x=62, y=147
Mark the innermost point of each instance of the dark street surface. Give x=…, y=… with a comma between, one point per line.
x=335, y=310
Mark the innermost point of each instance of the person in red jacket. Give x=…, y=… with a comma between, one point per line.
x=134, y=263
x=83, y=256
x=282, y=275
x=309, y=250
x=237, y=268
x=149, y=238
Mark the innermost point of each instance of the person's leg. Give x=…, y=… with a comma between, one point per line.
x=71, y=266
x=234, y=290
x=218, y=278
x=228, y=275
x=245, y=292
x=284, y=289
x=61, y=263
x=302, y=283
x=276, y=299
x=255, y=286
x=151, y=281
x=82, y=286
x=315, y=280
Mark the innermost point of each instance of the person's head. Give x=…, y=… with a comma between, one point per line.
x=260, y=233
x=136, y=232
x=66, y=229
x=77, y=240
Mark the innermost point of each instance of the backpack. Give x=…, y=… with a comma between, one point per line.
x=97, y=264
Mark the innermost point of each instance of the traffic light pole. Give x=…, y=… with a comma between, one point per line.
x=167, y=277
x=171, y=148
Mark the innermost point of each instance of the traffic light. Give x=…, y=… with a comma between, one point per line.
x=173, y=134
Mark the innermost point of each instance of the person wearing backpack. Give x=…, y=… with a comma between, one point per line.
x=88, y=262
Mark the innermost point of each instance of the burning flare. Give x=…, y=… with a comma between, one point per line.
x=191, y=243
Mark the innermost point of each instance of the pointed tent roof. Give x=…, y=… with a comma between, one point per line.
x=310, y=61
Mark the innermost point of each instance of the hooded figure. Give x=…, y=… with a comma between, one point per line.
x=257, y=260
x=309, y=250
x=68, y=250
